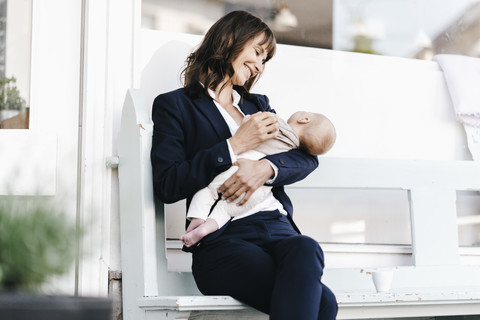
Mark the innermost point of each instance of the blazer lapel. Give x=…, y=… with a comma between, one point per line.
x=248, y=107
x=208, y=108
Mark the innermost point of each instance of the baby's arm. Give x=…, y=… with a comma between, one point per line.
x=194, y=224
x=224, y=210
x=199, y=209
x=201, y=204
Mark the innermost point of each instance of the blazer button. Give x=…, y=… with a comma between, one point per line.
x=220, y=159
x=281, y=161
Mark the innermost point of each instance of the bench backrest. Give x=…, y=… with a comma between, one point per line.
x=383, y=107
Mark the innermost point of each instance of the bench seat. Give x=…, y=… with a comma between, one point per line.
x=352, y=305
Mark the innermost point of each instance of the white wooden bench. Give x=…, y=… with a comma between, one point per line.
x=396, y=131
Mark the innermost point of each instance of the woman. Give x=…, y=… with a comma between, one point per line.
x=259, y=258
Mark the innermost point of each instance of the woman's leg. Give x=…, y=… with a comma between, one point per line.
x=267, y=265
x=299, y=292
x=237, y=268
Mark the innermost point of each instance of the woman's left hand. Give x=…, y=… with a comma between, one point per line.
x=251, y=174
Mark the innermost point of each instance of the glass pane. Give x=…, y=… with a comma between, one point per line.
x=403, y=28
x=407, y=28
x=353, y=216
x=294, y=22
x=15, y=48
x=3, y=35
x=468, y=218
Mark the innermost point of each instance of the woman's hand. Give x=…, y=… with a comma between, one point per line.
x=251, y=174
x=255, y=129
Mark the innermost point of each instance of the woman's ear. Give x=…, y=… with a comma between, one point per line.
x=304, y=120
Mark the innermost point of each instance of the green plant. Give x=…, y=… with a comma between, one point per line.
x=10, y=98
x=36, y=241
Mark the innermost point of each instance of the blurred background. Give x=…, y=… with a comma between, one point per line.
x=402, y=28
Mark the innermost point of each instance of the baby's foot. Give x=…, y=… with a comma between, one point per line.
x=192, y=237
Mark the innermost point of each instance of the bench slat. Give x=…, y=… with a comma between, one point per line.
x=366, y=173
x=434, y=226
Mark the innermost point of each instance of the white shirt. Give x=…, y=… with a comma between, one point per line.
x=270, y=203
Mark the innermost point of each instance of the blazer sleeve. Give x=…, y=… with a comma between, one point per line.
x=293, y=165
x=178, y=171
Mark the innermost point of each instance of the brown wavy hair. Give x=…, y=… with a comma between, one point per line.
x=212, y=61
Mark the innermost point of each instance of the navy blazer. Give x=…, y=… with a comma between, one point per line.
x=189, y=147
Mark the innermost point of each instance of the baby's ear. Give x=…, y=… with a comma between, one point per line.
x=304, y=120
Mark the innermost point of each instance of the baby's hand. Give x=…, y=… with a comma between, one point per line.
x=253, y=130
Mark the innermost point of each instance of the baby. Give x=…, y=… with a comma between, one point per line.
x=310, y=132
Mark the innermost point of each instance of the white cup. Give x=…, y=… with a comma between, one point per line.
x=382, y=280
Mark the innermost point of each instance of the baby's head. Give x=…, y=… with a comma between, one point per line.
x=315, y=131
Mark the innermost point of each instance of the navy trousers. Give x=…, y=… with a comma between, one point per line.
x=262, y=261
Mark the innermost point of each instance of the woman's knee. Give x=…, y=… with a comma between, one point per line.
x=305, y=247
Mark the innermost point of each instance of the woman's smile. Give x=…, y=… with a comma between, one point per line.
x=250, y=72
x=250, y=61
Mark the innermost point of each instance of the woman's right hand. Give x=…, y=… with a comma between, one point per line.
x=254, y=130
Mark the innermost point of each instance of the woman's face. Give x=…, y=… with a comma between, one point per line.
x=250, y=61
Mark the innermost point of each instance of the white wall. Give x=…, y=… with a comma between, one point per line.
x=55, y=89
x=82, y=63
x=108, y=71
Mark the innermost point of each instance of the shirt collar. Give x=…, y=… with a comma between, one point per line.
x=235, y=95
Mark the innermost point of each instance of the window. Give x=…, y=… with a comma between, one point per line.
x=305, y=23
x=15, y=47
x=402, y=28
x=468, y=220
